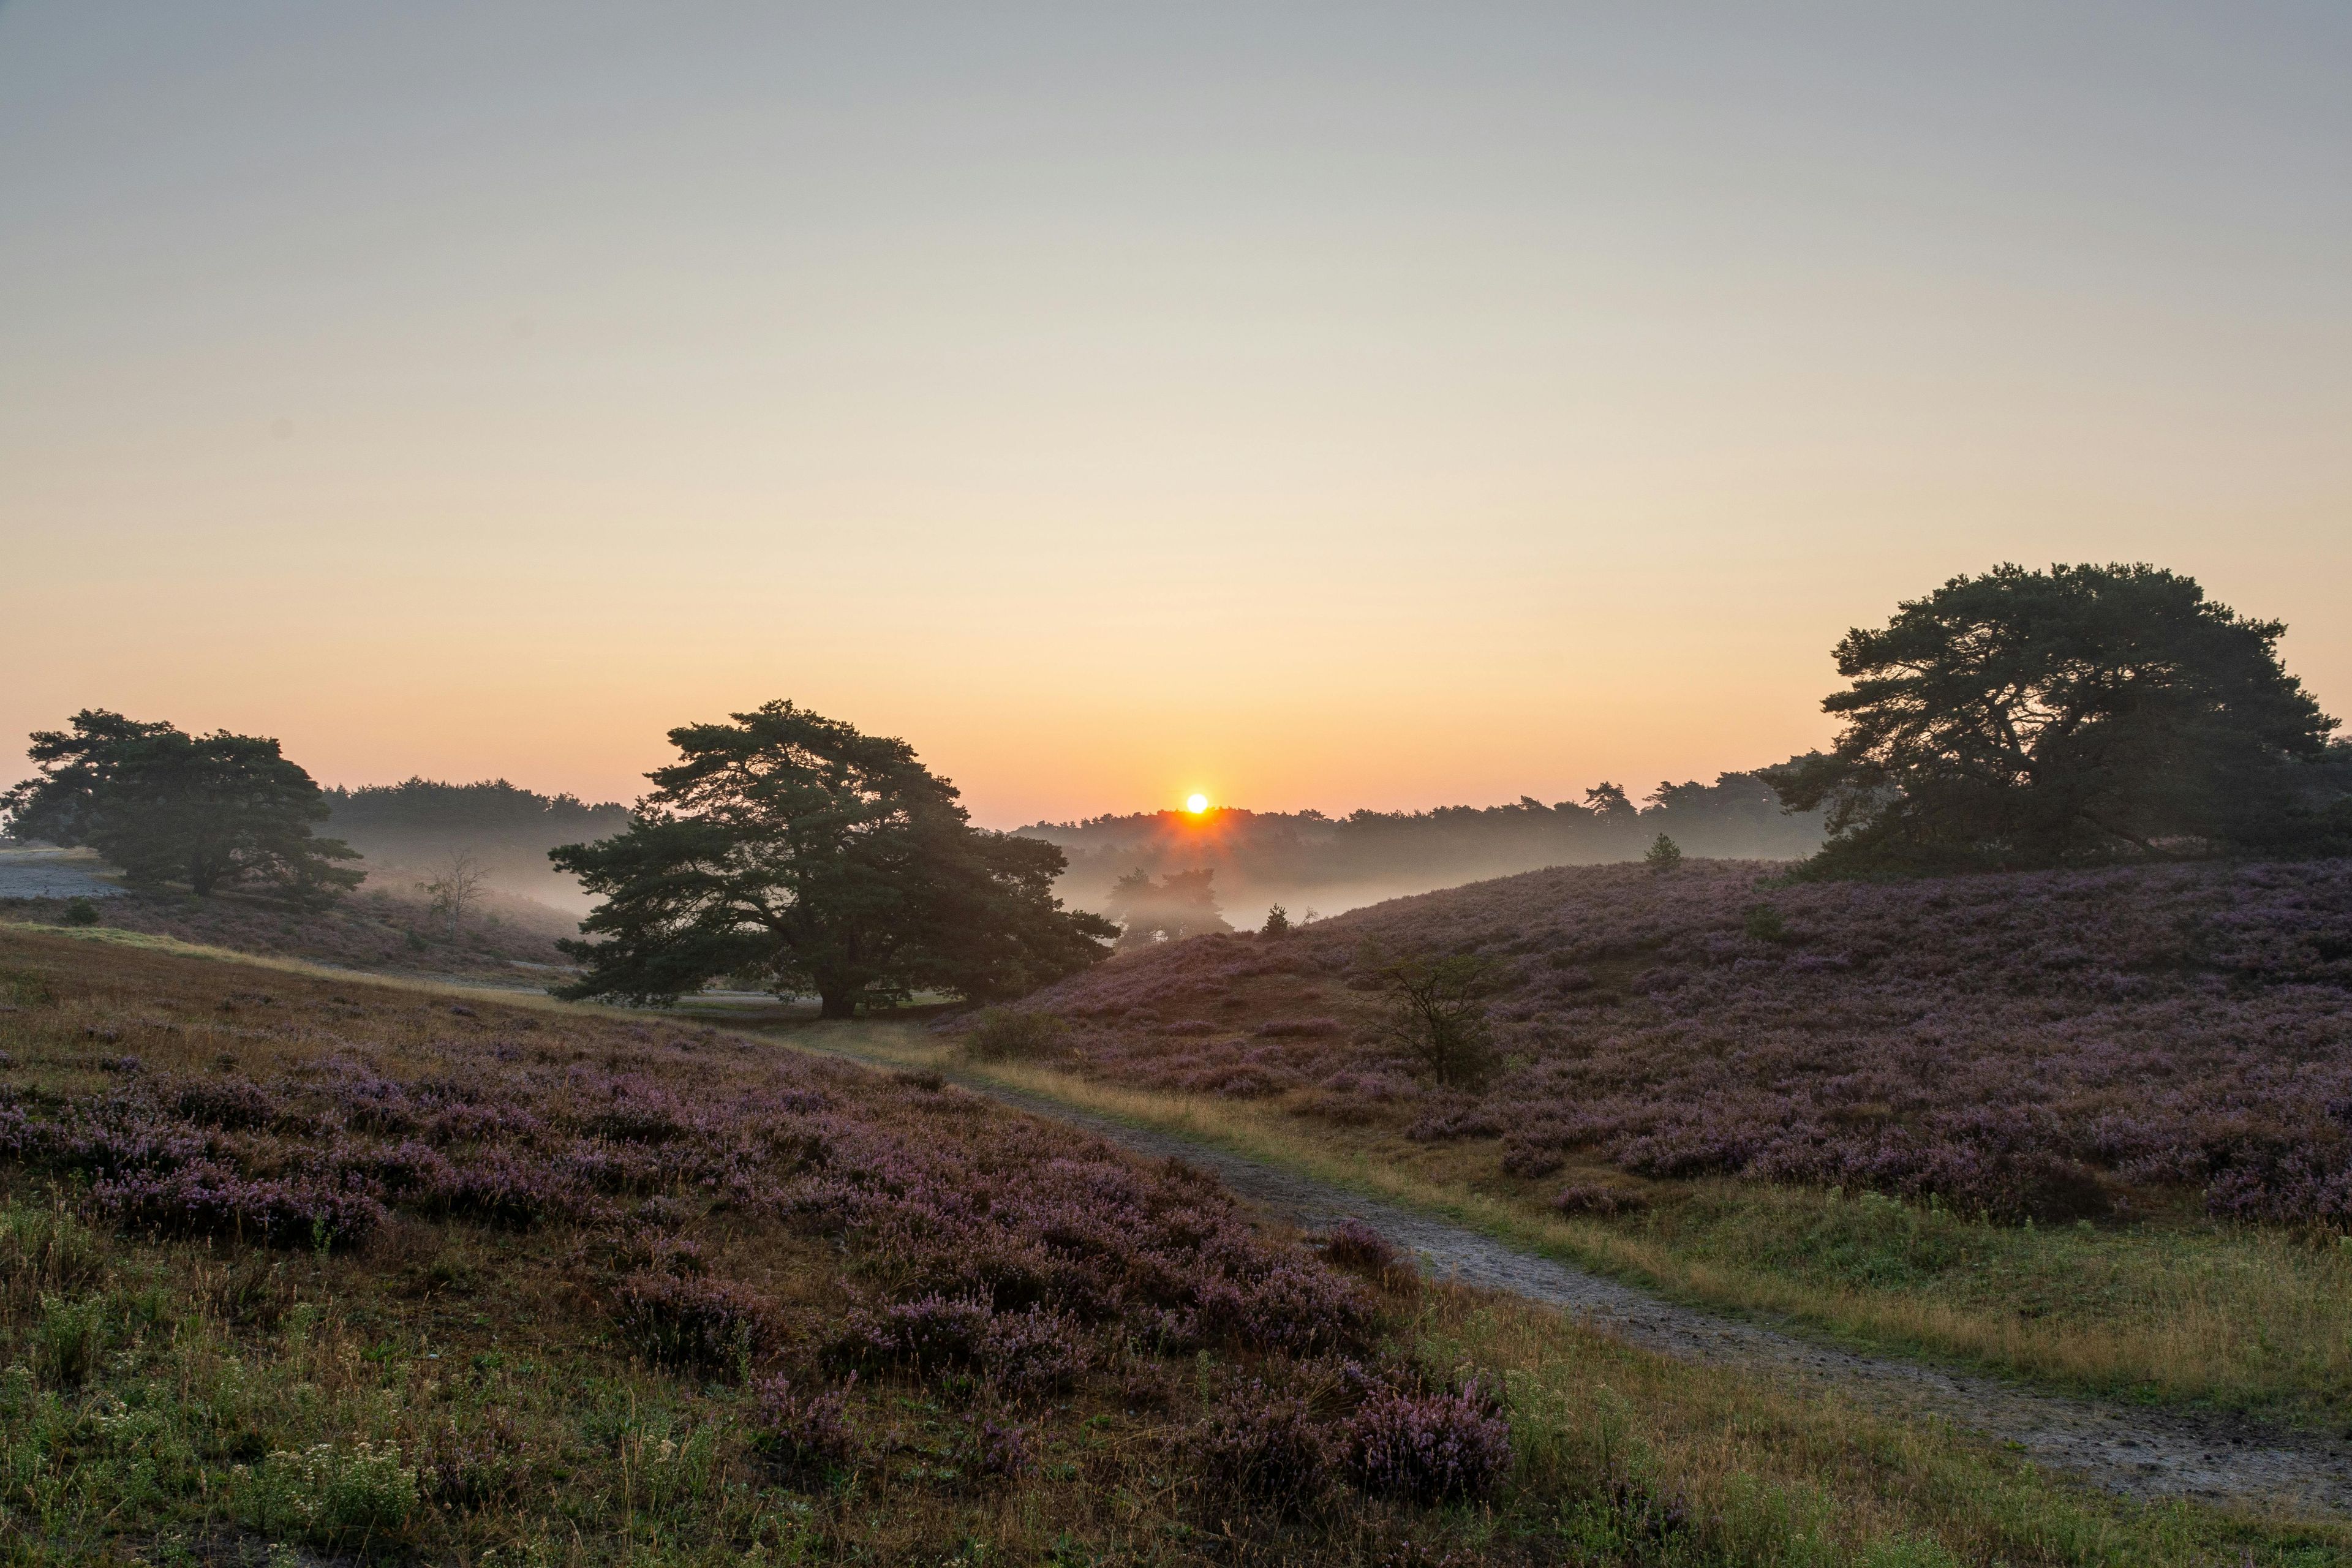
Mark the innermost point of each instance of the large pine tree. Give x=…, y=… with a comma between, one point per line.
x=2052, y=717
x=212, y=810
x=791, y=851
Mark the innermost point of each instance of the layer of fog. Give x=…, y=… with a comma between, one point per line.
x=1307, y=861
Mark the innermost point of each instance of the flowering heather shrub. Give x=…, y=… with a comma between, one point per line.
x=687, y=1320
x=802, y=1431
x=1031, y=1352
x=1429, y=1447
x=205, y=1199
x=1034, y=1352
x=1004, y=1451
x=1267, y=1447
x=1354, y=1245
x=231, y=1103
x=2011, y=1044
x=1523, y=1160
x=1019, y=1256
x=500, y=1187
x=112, y=1136
x=1299, y=1028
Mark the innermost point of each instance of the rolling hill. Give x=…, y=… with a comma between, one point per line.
x=2051, y=1044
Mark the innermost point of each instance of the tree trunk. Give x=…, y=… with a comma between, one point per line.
x=837, y=1005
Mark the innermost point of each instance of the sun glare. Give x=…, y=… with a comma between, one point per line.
x=1196, y=804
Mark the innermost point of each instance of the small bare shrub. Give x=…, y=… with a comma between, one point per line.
x=1437, y=1014
x=997, y=1034
x=1601, y=1202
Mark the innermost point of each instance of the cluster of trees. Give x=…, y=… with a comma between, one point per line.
x=436, y=813
x=211, y=812
x=2069, y=716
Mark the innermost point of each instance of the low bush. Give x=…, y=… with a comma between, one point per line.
x=206, y=1199
x=1356, y=1247
x=1033, y=1351
x=997, y=1034
x=329, y=1495
x=1427, y=1447
x=1265, y=1447
x=1584, y=1198
x=806, y=1432
x=692, y=1322
x=1003, y=1452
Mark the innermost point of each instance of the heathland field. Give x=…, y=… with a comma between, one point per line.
x=295, y=1264
x=2092, y=1126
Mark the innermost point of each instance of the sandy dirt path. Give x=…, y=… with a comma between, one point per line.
x=2139, y=1452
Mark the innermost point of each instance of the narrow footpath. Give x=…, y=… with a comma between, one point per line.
x=2139, y=1452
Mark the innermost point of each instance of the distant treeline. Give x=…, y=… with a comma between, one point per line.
x=1305, y=858
x=506, y=827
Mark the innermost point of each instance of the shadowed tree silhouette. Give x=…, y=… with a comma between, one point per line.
x=2075, y=715
x=794, y=850
x=214, y=811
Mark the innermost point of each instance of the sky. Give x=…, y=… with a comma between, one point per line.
x=1309, y=406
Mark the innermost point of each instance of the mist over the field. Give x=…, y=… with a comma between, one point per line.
x=1307, y=860
x=408, y=831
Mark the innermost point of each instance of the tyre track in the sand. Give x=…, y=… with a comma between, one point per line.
x=2139, y=1452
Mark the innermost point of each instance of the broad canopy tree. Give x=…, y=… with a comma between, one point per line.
x=212, y=810
x=2080, y=714
x=789, y=851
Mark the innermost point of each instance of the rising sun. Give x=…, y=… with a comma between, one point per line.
x=1196, y=804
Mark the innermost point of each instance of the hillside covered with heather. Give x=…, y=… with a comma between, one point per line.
x=2066, y=1043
